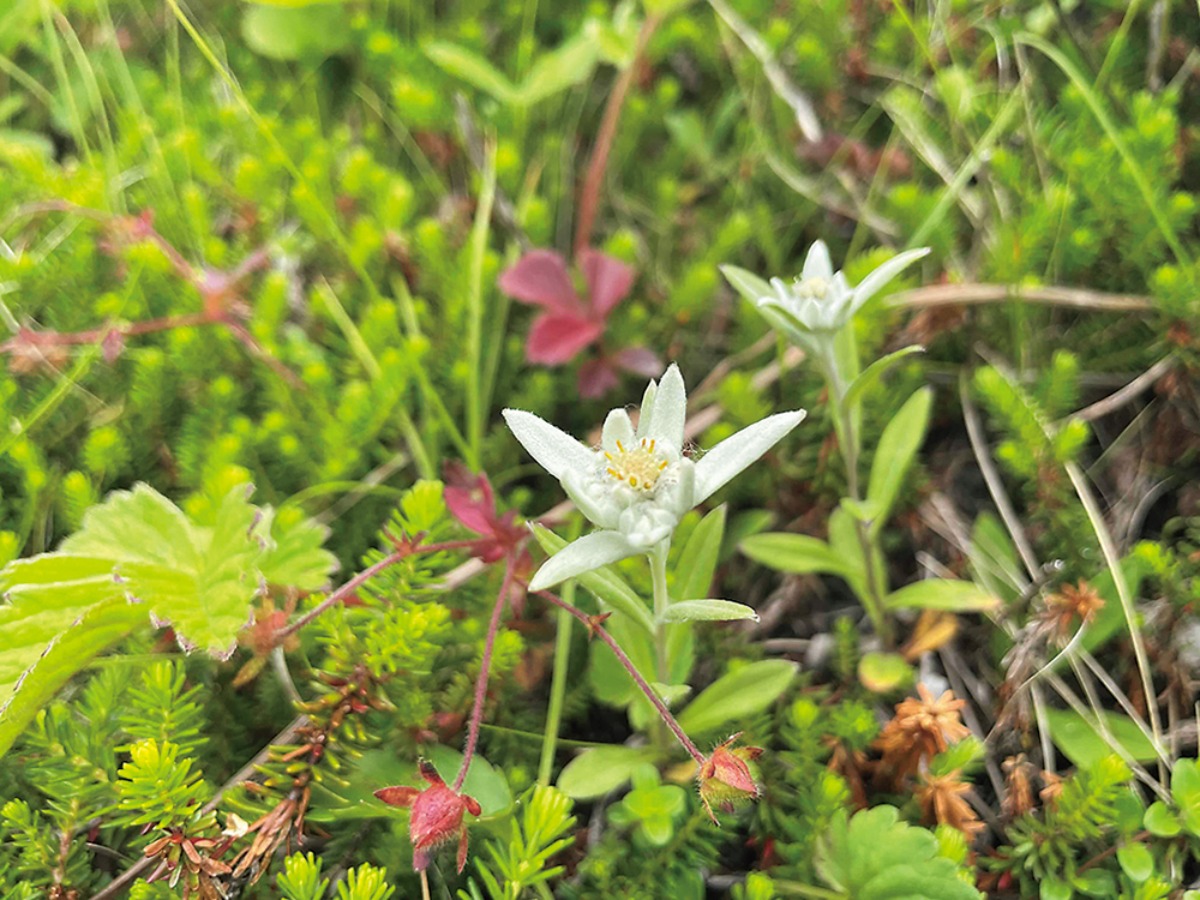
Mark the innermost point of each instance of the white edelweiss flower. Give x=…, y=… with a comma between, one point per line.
x=637, y=486
x=821, y=301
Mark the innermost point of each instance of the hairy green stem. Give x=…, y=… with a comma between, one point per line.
x=848, y=442
x=558, y=686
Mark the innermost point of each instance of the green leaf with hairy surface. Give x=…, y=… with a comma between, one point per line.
x=739, y=694
x=697, y=562
x=473, y=69
x=871, y=375
x=605, y=583
x=708, y=611
x=944, y=594
x=897, y=449
x=875, y=856
x=749, y=285
x=136, y=559
x=602, y=769
x=1081, y=741
x=798, y=554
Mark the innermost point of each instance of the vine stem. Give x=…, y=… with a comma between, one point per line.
x=596, y=627
x=481, y=682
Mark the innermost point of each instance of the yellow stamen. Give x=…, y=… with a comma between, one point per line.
x=639, y=467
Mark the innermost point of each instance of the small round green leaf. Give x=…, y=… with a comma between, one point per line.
x=884, y=672
x=1136, y=861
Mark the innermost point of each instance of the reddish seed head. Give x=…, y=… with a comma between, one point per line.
x=725, y=777
x=437, y=815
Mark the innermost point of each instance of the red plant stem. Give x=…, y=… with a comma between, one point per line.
x=481, y=682
x=362, y=577
x=598, y=629
x=589, y=194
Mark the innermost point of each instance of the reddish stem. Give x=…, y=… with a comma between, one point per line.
x=597, y=628
x=402, y=552
x=589, y=194
x=481, y=682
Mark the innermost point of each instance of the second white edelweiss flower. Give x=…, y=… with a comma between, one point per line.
x=638, y=485
x=821, y=301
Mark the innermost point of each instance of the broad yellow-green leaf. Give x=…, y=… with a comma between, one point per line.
x=138, y=560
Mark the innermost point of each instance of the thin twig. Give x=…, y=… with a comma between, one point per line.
x=975, y=294
x=589, y=194
x=1119, y=398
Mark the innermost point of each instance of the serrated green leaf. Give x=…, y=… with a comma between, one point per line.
x=606, y=584
x=871, y=376
x=602, y=769
x=473, y=69
x=897, y=449
x=875, y=856
x=944, y=594
x=742, y=693
x=136, y=559
x=295, y=554
x=708, y=611
x=698, y=560
x=798, y=554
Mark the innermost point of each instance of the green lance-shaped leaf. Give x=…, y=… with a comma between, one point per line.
x=742, y=693
x=897, y=448
x=708, y=611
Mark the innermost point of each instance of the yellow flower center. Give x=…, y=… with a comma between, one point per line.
x=638, y=467
x=816, y=288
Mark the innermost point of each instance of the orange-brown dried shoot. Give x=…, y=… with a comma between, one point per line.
x=1071, y=605
x=922, y=728
x=941, y=799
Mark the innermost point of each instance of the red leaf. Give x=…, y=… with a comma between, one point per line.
x=596, y=378
x=400, y=795
x=540, y=277
x=608, y=280
x=639, y=361
x=556, y=339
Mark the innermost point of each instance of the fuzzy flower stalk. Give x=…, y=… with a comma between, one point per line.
x=723, y=777
x=638, y=484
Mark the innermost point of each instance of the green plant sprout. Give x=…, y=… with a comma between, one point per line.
x=817, y=312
